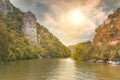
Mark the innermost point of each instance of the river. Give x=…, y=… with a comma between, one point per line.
x=58, y=69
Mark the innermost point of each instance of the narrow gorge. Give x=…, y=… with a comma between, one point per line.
x=25, y=38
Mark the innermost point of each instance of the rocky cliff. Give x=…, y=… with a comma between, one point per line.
x=18, y=30
x=29, y=27
x=106, y=43
x=109, y=31
x=6, y=6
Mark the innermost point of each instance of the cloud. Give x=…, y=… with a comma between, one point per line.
x=83, y=31
x=52, y=14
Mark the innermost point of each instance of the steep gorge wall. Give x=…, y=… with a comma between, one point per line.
x=24, y=30
x=29, y=27
x=109, y=31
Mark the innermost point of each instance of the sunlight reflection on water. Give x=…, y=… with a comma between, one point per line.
x=58, y=69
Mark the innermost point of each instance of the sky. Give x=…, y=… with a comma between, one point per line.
x=71, y=21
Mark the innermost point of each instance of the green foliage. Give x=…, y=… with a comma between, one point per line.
x=88, y=51
x=109, y=30
x=4, y=42
x=50, y=44
x=85, y=51
x=15, y=46
x=106, y=33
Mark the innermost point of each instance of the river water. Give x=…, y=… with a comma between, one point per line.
x=58, y=69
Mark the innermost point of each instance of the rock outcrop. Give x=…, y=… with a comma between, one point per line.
x=29, y=27
x=17, y=25
x=6, y=6
x=109, y=31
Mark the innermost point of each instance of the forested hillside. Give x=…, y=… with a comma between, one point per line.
x=106, y=43
x=14, y=45
x=109, y=31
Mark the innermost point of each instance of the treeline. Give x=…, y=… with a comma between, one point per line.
x=15, y=46
x=109, y=30
x=51, y=46
x=106, y=43
x=89, y=52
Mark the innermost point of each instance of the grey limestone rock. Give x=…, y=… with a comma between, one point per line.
x=29, y=27
x=6, y=6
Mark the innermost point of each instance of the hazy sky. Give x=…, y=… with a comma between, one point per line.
x=72, y=21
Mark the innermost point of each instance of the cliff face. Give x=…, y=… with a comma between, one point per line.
x=5, y=6
x=19, y=30
x=29, y=27
x=109, y=31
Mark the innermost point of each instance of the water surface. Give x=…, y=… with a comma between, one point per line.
x=58, y=69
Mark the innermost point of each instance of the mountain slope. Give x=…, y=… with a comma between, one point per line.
x=106, y=43
x=15, y=44
x=109, y=31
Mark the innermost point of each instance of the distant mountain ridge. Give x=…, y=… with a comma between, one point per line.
x=72, y=47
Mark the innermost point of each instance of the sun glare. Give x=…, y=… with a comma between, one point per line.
x=76, y=17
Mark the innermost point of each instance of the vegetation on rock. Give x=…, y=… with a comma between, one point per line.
x=14, y=45
x=106, y=43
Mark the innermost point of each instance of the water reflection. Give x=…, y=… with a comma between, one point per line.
x=85, y=71
x=65, y=70
x=58, y=69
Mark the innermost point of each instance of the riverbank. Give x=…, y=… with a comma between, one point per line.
x=106, y=62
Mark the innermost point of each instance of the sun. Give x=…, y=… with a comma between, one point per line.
x=76, y=16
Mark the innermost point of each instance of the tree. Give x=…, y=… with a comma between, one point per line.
x=4, y=42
